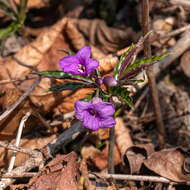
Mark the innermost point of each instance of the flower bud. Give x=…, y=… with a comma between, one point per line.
x=99, y=81
x=109, y=81
x=95, y=100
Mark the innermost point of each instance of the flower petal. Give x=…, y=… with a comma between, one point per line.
x=83, y=52
x=91, y=64
x=69, y=64
x=80, y=108
x=91, y=122
x=104, y=109
x=107, y=123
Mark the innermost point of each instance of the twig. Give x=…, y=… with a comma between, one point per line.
x=2, y=82
x=24, y=65
x=20, y=99
x=84, y=171
x=131, y=177
x=20, y=129
x=111, y=169
x=175, y=32
x=44, y=122
x=37, y=158
x=17, y=149
x=185, y=3
x=150, y=74
x=26, y=93
x=138, y=102
x=181, y=46
x=18, y=175
x=50, y=149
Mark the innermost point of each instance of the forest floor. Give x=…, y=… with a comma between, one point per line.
x=53, y=150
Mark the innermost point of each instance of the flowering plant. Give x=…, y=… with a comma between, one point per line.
x=99, y=109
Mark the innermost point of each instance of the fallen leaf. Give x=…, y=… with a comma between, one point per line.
x=169, y=163
x=185, y=63
x=59, y=174
x=135, y=156
x=99, y=158
x=122, y=136
x=28, y=142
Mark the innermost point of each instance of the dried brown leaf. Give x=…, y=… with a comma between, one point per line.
x=9, y=125
x=84, y=171
x=59, y=174
x=122, y=136
x=169, y=163
x=99, y=158
x=135, y=156
x=28, y=142
x=108, y=39
x=185, y=63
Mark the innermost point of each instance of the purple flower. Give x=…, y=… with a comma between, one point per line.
x=80, y=63
x=95, y=114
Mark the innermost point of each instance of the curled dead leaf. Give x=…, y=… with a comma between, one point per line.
x=135, y=156
x=122, y=136
x=107, y=39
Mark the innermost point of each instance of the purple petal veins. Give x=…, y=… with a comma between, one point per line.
x=80, y=63
x=95, y=114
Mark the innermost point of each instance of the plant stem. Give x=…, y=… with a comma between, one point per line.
x=111, y=151
x=150, y=74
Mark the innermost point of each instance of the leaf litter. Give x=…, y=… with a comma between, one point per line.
x=132, y=155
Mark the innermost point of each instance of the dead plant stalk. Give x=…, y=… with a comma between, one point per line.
x=150, y=74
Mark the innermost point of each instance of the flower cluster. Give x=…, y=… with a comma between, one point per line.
x=96, y=113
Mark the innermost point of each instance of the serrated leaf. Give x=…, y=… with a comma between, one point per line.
x=122, y=94
x=67, y=86
x=120, y=63
x=63, y=75
x=138, y=65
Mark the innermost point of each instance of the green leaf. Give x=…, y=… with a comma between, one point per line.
x=66, y=86
x=122, y=94
x=70, y=53
x=89, y=97
x=22, y=11
x=63, y=75
x=8, y=10
x=9, y=30
x=117, y=112
x=144, y=62
x=103, y=96
x=118, y=66
x=55, y=74
x=101, y=145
